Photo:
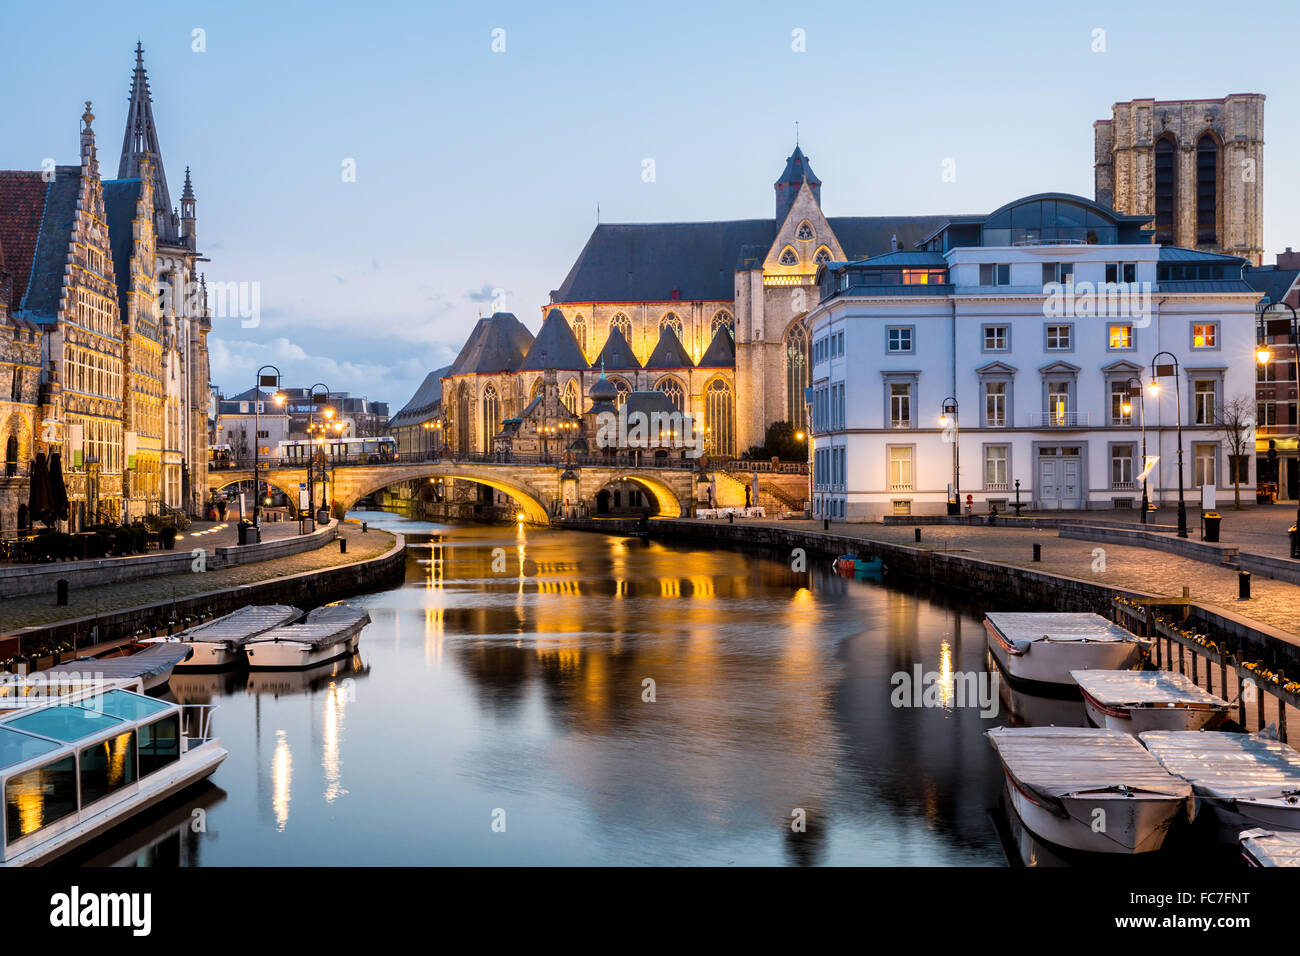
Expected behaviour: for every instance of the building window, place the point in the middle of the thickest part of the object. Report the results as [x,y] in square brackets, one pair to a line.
[1058,403]
[580,331]
[1120,337]
[624,390]
[1166,188]
[899,338]
[805,231]
[796,375]
[671,320]
[995,273]
[1062,272]
[1059,338]
[1204,458]
[900,468]
[621,322]
[1266,413]
[900,405]
[995,404]
[1207,190]
[491,416]
[673,389]
[1121,467]
[996,338]
[1203,398]
[570,397]
[995,467]
[1205,335]
[1121,272]
[719,418]
[823,256]
[788,257]
[1119,397]
[721,319]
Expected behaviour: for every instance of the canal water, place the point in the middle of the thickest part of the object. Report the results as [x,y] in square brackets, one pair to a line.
[554,697]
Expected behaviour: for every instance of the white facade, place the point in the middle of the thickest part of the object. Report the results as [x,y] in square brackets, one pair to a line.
[1035,378]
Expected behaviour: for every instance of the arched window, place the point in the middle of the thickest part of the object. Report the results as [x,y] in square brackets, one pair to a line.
[580,331]
[11,456]
[491,416]
[673,389]
[1207,191]
[461,423]
[570,396]
[672,321]
[623,324]
[624,390]
[788,257]
[805,231]
[536,389]
[720,318]
[796,375]
[1166,188]
[823,255]
[719,418]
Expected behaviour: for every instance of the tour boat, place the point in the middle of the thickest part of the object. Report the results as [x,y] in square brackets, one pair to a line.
[1089,789]
[1263,847]
[1137,701]
[151,663]
[1242,780]
[79,758]
[859,564]
[220,643]
[327,633]
[1045,648]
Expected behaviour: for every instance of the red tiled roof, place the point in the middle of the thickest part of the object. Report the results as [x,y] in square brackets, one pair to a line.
[22,204]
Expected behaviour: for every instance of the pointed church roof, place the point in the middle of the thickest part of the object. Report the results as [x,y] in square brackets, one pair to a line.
[120,199]
[555,346]
[616,354]
[497,344]
[669,352]
[140,142]
[721,352]
[796,168]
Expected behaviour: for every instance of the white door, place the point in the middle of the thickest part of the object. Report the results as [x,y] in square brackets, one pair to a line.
[1049,484]
[1071,489]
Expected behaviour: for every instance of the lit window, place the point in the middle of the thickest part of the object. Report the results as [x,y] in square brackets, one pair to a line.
[1121,336]
[1204,336]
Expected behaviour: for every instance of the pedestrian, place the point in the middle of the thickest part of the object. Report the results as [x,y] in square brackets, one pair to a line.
[221,508]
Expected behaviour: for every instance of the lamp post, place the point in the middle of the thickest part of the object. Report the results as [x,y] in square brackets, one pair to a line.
[278,398]
[1135,391]
[1164,371]
[1263,356]
[327,413]
[949,419]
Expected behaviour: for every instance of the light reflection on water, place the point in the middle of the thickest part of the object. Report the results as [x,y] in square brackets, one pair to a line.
[521,685]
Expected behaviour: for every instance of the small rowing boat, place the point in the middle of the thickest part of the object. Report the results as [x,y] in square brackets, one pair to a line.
[1045,648]
[1093,790]
[327,633]
[1137,701]
[220,643]
[859,564]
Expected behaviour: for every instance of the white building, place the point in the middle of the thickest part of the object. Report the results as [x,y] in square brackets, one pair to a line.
[1024,331]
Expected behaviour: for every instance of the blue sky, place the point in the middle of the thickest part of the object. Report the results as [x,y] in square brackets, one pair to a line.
[479,170]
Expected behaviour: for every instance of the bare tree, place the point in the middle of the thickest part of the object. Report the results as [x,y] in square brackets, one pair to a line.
[1235,420]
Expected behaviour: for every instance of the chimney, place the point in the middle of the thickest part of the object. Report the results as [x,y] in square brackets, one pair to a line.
[893,243]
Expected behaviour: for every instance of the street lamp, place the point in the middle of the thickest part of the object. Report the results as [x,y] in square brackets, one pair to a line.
[949,419]
[1164,371]
[327,413]
[271,381]
[1263,355]
[1135,391]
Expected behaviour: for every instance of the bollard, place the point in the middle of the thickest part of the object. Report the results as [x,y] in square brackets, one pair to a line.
[1243,585]
[918,535]
[363,527]
[62,585]
[1038,552]
[826,524]
[731,517]
[343,545]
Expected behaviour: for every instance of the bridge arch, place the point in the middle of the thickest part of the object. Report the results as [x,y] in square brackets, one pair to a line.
[290,491]
[529,499]
[666,501]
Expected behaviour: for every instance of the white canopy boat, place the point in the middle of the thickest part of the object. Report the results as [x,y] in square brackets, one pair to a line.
[152,664]
[220,643]
[1086,789]
[78,759]
[1244,780]
[1044,648]
[1263,847]
[328,632]
[1137,701]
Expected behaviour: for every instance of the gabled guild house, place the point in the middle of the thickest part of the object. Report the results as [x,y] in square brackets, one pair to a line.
[1009,348]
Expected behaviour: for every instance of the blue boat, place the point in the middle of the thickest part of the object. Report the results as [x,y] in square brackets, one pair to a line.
[859,564]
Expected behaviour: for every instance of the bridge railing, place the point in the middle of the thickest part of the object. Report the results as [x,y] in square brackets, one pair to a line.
[634,461]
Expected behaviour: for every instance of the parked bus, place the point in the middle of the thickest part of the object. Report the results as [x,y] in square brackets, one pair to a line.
[337,451]
[220,456]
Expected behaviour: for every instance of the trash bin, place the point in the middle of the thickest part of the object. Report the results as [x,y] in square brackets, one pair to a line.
[243,527]
[954,507]
[1295,545]
[1211,519]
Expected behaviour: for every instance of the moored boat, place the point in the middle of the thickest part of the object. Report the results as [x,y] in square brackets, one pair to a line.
[1243,780]
[1137,701]
[151,663]
[1044,648]
[1089,789]
[1263,847]
[220,643]
[327,633]
[859,564]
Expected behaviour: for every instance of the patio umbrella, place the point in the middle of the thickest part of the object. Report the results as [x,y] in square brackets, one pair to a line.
[58,490]
[38,494]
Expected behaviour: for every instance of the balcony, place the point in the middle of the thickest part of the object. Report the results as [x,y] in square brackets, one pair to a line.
[1059,420]
[1123,486]
[900,486]
[997,486]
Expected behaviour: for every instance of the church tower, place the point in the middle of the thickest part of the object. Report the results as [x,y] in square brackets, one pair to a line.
[796,172]
[140,143]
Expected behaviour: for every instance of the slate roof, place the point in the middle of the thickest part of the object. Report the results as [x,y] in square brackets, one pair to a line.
[1275,283]
[50,260]
[646,262]
[1179,254]
[721,352]
[1205,285]
[647,402]
[22,204]
[425,401]
[796,167]
[669,351]
[555,346]
[120,198]
[902,259]
[616,353]
[497,344]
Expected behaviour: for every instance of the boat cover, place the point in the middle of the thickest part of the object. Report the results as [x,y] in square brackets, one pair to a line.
[1023,628]
[1055,762]
[1268,848]
[1227,766]
[238,626]
[153,660]
[323,626]
[1144,688]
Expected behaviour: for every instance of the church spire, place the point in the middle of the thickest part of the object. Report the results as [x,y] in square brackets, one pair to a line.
[797,172]
[140,143]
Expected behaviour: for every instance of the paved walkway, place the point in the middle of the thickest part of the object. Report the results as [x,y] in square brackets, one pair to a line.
[31,611]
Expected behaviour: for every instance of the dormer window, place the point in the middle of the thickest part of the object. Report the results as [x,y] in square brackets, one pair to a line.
[805,231]
[788,257]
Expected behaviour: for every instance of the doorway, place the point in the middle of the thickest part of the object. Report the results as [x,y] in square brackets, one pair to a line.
[1060,472]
